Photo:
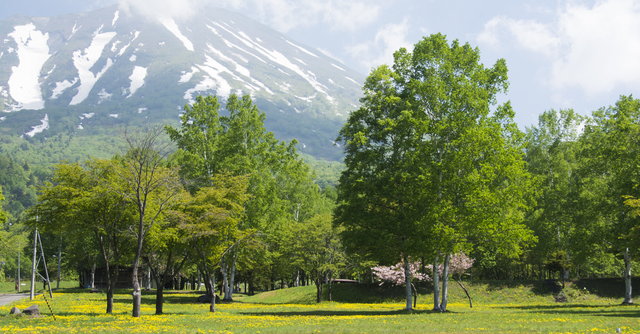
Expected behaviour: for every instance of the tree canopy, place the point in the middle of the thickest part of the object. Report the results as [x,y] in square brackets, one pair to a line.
[428,161]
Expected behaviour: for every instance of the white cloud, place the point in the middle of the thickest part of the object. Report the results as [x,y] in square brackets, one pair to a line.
[388,40]
[529,34]
[180,10]
[285,15]
[595,48]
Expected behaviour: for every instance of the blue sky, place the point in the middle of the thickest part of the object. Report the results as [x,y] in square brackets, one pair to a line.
[560,54]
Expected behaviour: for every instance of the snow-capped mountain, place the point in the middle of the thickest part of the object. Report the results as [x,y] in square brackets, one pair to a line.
[108,65]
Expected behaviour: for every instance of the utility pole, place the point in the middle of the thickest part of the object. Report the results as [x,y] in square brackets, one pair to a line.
[33,264]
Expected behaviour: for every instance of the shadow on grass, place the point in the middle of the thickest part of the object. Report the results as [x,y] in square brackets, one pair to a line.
[582,309]
[330,313]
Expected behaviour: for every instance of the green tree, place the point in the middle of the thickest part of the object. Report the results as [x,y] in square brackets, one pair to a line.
[198,140]
[19,187]
[213,217]
[81,205]
[238,144]
[317,250]
[430,167]
[551,155]
[168,248]
[610,150]
[146,182]
[3,215]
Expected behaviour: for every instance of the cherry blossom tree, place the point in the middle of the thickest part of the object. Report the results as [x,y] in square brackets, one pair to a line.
[395,275]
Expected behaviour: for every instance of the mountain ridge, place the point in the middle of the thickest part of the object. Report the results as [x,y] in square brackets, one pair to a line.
[132,69]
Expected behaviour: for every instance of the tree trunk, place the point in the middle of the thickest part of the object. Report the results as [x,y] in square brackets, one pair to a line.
[159,297]
[436,284]
[137,294]
[111,286]
[212,307]
[415,295]
[318,282]
[330,285]
[232,277]
[93,276]
[225,281]
[445,283]
[627,278]
[407,281]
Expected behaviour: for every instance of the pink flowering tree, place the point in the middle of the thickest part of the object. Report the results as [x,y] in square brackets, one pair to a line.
[458,264]
[395,275]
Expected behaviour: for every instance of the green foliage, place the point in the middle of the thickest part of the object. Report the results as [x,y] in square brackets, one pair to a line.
[427,161]
[609,172]
[18,186]
[3,215]
[551,154]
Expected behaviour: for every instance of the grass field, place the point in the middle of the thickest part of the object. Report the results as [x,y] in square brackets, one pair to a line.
[499,307]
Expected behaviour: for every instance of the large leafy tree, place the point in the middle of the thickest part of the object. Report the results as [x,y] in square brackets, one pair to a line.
[213,215]
[198,140]
[94,220]
[430,166]
[238,144]
[551,154]
[150,185]
[168,248]
[610,176]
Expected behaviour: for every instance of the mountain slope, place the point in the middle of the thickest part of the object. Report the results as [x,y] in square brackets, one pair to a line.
[82,73]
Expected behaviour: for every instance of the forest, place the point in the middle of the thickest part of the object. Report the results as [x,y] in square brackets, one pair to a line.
[434,170]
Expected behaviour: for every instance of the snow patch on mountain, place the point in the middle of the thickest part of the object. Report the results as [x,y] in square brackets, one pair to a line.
[338,67]
[115,18]
[284,87]
[61,87]
[133,58]
[206,84]
[276,57]
[74,29]
[229,44]
[137,79]
[124,49]
[84,60]
[103,95]
[355,82]
[114,46]
[33,52]
[39,128]
[171,25]
[307,99]
[113,115]
[186,76]
[302,49]
[88,115]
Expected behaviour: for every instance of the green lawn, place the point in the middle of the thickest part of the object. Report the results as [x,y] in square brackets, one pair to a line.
[499,307]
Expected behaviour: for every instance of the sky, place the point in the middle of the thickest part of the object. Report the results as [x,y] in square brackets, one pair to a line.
[580,54]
